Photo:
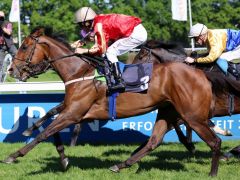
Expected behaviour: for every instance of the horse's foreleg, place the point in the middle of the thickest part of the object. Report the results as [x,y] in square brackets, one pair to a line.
[61,122]
[159,130]
[50,113]
[188,133]
[75,134]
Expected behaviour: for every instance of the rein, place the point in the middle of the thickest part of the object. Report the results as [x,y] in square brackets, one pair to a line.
[35,69]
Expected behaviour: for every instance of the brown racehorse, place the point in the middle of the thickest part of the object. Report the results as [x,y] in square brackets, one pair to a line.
[86,100]
[226,93]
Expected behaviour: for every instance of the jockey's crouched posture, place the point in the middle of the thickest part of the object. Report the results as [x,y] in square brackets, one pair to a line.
[223,46]
[124,32]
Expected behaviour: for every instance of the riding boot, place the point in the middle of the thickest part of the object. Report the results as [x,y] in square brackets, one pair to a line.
[119,84]
[108,76]
[234,72]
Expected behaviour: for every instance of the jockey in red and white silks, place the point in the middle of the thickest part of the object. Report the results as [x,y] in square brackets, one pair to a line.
[126,33]
[114,35]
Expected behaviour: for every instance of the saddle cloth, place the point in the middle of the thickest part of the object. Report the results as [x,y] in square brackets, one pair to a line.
[136,76]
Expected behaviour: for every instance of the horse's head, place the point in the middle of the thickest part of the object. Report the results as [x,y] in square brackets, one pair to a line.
[30,59]
[156,51]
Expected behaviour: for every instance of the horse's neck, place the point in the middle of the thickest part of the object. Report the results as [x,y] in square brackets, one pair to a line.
[170,56]
[71,67]
[211,67]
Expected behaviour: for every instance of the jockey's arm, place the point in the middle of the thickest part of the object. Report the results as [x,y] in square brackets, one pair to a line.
[100,39]
[77,44]
[217,46]
[100,43]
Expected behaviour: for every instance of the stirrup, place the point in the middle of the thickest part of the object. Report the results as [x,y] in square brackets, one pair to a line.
[118,87]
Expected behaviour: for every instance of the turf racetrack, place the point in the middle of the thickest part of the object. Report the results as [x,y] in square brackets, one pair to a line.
[169,161]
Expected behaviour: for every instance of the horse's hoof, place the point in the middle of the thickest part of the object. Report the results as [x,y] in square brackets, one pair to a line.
[27,133]
[9,160]
[223,158]
[65,163]
[72,144]
[214,174]
[226,156]
[227,133]
[193,151]
[115,169]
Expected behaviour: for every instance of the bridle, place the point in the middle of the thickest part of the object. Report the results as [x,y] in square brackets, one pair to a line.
[34,69]
[31,69]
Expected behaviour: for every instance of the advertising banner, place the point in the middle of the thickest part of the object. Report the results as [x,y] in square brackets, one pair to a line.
[18,112]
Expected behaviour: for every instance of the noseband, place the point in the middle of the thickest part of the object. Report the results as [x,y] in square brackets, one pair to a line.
[32,69]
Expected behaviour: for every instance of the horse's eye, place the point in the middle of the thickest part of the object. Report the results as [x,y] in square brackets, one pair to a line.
[24,48]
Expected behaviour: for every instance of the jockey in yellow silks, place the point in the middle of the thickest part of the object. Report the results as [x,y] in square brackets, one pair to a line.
[223,46]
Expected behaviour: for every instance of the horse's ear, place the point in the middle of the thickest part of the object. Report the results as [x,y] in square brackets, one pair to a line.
[38,32]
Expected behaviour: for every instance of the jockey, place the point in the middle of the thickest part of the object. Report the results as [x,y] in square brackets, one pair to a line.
[223,46]
[124,32]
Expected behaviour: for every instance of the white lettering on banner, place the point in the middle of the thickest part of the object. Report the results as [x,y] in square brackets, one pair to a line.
[147,126]
[31,117]
[225,124]
[94,126]
[155,111]
[15,123]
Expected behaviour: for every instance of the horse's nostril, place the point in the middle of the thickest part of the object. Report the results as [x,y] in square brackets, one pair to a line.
[10,70]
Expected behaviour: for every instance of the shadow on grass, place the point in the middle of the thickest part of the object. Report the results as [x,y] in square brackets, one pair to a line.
[88,163]
[163,162]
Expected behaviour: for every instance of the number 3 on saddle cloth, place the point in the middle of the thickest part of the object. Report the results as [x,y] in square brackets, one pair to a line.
[136,78]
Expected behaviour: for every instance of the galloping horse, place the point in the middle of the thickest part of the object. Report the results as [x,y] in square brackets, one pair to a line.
[86,100]
[226,94]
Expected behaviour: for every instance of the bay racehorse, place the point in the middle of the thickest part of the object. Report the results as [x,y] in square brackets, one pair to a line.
[85,100]
[225,101]
[153,51]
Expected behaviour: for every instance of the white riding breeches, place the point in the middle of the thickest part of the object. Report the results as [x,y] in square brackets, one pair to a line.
[231,55]
[122,46]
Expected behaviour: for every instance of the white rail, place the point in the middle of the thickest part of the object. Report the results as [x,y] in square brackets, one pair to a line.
[32,86]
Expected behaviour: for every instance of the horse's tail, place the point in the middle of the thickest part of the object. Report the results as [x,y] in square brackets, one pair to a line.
[223,84]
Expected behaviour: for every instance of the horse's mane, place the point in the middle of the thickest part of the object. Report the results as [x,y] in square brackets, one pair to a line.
[175,47]
[48,31]
[223,84]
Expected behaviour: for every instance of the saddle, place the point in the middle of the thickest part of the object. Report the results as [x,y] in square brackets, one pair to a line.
[135,76]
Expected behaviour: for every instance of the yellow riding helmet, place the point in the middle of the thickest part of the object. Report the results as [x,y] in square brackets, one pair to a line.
[197,30]
[84,14]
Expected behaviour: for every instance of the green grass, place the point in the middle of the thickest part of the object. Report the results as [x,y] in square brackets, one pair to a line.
[47,76]
[169,161]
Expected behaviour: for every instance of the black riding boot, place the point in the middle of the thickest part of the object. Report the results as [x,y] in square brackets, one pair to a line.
[119,84]
[108,76]
[234,72]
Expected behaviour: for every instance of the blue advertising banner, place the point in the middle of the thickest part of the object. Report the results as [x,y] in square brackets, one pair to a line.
[20,111]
